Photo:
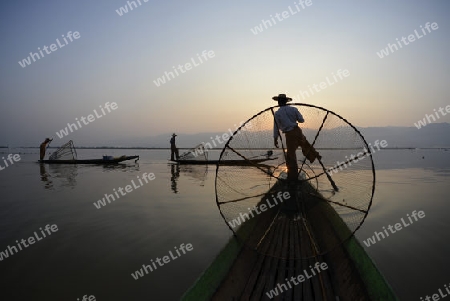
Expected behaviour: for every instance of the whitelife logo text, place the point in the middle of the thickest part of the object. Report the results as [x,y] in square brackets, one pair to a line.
[49,49]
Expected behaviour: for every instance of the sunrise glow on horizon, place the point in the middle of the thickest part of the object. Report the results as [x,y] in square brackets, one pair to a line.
[192,67]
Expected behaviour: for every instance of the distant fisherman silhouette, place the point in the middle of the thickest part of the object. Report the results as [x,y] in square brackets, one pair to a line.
[43,147]
[173,148]
[286,120]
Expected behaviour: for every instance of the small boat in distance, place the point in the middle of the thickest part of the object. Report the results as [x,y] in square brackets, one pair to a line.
[199,156]
[225,162]
[67,154]
[105,160]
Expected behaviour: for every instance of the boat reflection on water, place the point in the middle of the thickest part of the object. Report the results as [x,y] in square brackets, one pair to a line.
[67,174]
[196,172]
[48,184]
[174,175]
[64,175]
[121,167]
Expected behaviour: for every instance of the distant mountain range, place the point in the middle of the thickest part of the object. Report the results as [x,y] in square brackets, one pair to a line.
[434,135]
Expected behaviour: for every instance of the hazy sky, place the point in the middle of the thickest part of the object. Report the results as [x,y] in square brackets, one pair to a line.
[118,58]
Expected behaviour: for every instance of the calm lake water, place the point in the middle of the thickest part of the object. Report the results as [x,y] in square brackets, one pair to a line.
[94,251]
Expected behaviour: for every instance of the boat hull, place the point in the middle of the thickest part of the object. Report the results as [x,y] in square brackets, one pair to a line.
[90,161]
[223,162]
[241,273]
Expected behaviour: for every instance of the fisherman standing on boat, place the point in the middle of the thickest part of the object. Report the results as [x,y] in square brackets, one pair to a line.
[43,147]
[286,120]
[173,148]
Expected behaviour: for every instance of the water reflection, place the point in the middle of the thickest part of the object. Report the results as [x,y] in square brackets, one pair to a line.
[48,183]
[175,174]
[66,173]
[196,172]
[121,167]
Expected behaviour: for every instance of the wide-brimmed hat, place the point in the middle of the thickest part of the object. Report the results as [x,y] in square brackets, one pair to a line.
[281,97]
[173,135]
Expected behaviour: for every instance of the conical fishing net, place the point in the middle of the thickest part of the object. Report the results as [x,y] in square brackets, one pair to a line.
[65,152]
[198,153]
[323,208]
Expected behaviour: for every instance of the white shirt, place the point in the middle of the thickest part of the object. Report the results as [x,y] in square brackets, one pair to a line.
[286,118]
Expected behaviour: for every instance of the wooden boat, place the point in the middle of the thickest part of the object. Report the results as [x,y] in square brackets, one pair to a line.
[271,247]
[241,273]
[224,162]
[114,160]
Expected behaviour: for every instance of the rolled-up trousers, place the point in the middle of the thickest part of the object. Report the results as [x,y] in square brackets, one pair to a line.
[294,139]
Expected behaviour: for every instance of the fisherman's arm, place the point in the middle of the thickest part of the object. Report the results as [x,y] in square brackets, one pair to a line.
[276,134]
[299,116]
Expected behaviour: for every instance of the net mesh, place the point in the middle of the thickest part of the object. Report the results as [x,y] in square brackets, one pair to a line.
[256,200]
[65,152]
[198,153]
